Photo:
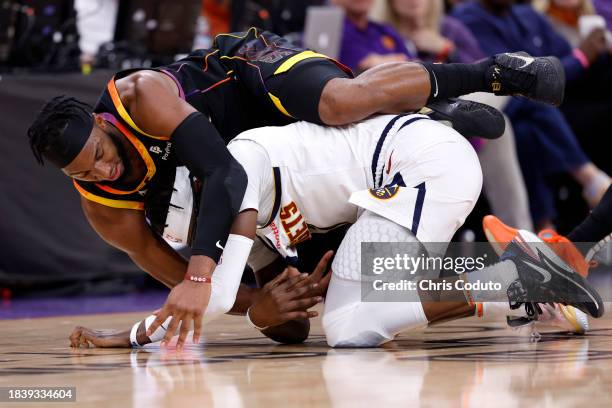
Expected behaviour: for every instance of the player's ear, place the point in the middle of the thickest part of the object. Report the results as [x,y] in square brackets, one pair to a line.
[99,121]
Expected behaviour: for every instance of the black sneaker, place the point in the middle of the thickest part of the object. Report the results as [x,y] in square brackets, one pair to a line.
[471,119]
[538,78]
[544,278]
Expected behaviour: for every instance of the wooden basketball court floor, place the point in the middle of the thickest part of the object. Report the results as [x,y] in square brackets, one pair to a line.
[460,364]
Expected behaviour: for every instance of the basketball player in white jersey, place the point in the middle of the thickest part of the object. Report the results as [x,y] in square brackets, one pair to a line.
[399,178]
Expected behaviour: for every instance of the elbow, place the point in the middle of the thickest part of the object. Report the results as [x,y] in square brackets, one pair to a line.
[235,184]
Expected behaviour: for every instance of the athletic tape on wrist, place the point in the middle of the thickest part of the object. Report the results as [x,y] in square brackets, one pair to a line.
[160,332]
[133,332]
[248,319]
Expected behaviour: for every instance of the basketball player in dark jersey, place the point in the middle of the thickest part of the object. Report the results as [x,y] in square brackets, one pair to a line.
[122,154]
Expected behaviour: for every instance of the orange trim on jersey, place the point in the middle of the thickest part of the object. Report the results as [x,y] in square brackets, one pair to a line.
[216,84]
[142,151]
[112,89]
[130,205]
[263,39]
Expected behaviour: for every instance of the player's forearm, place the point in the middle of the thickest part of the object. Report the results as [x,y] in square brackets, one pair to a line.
[244,299]
[160,261]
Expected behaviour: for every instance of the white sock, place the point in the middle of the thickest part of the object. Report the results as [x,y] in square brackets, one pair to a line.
[503,272]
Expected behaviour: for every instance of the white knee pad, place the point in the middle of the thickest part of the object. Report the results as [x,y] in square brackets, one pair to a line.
[369,227]
[349,322]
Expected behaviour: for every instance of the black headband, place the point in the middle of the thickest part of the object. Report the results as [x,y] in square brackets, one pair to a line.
[71,141]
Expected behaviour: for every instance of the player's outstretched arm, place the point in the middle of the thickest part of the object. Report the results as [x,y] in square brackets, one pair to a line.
[285,298]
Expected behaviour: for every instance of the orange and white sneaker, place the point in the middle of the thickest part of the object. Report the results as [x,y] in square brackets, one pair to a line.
[566,250]
[499,235]
[569,318]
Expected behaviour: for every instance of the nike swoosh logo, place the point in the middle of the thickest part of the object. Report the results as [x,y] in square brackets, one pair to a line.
[218,245]
[526,60]
[436,83]
[547,276]
[564,276]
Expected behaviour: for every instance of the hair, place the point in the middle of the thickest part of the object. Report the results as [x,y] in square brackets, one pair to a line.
[383,11]
[51,122]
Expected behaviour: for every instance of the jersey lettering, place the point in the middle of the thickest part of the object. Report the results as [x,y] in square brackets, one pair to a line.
[293,223]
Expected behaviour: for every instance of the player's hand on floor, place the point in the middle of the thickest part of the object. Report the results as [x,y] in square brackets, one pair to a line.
[84,337]
[283,299]
[186,304]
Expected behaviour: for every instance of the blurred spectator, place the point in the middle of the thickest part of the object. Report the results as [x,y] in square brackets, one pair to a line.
[217,13]
[282,17]
[501,26]
[587,103]
[365,43]
[565,15]
[428,33]
[440,38]
[545,142]
[96,24]
[604,9]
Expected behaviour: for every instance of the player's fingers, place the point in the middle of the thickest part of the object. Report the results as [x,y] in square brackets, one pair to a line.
[324,283]
[159,320]
[292,271]
[176,319]
[303,304]
[298,314]
[302,288]
[184,331]
[75,336]
[84,342]
[278,279]
[322,266]
[197,328]
[290,282]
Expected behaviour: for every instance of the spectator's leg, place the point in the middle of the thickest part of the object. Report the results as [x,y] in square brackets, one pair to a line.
[503,181]
[530,154]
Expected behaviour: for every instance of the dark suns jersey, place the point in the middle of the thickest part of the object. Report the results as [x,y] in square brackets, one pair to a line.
[246,80]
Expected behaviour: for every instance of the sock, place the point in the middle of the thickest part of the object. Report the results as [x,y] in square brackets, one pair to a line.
[503,272]
[453,80]
[496,311]
[598,224]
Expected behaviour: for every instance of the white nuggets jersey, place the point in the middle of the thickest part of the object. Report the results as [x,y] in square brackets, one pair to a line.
[301,176]
[319,166]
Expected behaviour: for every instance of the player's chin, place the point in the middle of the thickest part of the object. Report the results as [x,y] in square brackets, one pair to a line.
[291,332]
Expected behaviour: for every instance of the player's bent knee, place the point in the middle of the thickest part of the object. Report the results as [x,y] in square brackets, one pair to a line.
[291,332]
[339,337]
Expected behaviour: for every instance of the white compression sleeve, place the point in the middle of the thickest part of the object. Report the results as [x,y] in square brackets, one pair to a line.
[227,275]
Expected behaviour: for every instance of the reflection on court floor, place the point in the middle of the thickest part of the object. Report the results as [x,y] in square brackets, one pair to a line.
[463,364]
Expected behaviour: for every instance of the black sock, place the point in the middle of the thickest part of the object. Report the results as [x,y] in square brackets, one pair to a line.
[598,224]
[453,80]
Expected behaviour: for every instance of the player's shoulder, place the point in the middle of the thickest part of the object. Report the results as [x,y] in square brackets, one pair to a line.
[108,196]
